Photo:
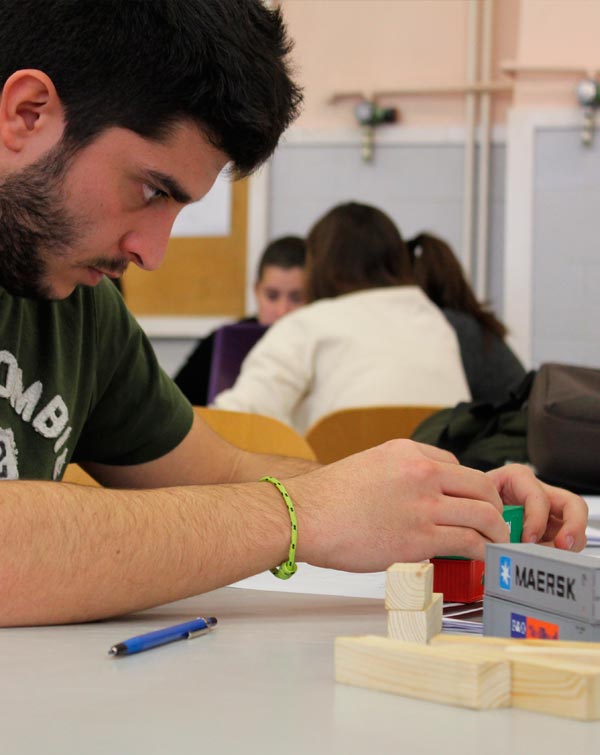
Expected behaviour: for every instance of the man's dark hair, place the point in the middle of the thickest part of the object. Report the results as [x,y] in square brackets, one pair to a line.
[145,64]
[285,252]
[354,247]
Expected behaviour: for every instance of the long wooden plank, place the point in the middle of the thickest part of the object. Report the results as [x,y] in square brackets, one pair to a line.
[565,655]
[487,641]
[438,674]
[557,678]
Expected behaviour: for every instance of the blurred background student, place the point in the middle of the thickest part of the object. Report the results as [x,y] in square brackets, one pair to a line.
[491,367]
[279,289]
[370,336]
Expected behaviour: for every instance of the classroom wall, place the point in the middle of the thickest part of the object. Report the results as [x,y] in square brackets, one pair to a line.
[376,45]
[552,34]
[380,45]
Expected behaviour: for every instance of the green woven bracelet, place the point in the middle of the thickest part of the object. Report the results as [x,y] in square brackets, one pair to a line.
[288,568]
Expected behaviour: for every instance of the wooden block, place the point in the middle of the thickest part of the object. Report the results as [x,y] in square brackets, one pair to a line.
[417,626]
[548,676]
[409,587]
[566,655]
[439,674]
[560,688]
[473,640]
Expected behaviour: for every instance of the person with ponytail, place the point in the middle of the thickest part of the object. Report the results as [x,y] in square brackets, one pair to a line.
[491,367]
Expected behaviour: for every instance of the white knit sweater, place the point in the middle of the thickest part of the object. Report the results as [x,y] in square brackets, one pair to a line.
[377,347]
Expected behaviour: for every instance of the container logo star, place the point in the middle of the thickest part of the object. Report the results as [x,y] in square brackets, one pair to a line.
[505,573]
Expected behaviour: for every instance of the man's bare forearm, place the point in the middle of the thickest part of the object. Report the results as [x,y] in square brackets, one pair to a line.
[252,467]
[70,553]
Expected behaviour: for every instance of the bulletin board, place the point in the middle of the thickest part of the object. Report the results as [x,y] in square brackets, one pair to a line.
[201,275]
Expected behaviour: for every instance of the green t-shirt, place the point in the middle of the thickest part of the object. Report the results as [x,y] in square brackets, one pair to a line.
[79,381]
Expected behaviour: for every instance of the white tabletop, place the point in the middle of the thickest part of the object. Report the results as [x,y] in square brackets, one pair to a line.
[262,682]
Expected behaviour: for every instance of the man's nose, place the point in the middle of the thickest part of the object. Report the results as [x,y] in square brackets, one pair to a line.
[146,245]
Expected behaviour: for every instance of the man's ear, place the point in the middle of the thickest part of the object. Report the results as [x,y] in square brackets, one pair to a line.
[31,113]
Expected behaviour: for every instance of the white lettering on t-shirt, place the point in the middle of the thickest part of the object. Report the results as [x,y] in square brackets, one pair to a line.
[50,422]
[7,379]
[25,402]
[59,464]
[52,419]
[8,455]
[62,440]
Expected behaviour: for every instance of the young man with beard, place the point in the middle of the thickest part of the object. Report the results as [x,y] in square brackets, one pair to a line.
[113,116]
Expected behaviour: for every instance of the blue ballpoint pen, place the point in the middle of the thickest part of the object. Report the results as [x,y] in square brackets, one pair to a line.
[184,631]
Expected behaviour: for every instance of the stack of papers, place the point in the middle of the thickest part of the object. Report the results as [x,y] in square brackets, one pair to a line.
[318,581]
[463,618]
[593,537]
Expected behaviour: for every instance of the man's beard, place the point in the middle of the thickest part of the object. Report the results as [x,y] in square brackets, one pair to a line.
[35,224]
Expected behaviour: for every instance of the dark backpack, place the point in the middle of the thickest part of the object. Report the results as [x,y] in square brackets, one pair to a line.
[480,434]
[564,426]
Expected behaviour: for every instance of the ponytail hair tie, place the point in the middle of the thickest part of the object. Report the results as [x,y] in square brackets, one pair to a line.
[415,247]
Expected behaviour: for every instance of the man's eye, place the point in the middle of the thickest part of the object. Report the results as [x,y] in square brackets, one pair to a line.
[151,193]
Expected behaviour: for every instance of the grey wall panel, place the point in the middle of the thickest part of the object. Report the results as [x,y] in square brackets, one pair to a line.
[173,352]
[408,182]
[566,249]
[419,185]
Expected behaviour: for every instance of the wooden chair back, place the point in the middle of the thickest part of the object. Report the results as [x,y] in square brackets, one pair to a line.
[348,431]
[257,433]
[74,473]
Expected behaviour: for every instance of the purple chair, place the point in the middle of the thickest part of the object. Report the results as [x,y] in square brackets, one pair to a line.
[231,344]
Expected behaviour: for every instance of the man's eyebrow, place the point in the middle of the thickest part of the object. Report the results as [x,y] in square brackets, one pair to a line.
[170,185]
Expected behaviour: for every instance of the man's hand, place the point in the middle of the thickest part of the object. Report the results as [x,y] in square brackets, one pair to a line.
[406,501]
[553,516]
[401,501]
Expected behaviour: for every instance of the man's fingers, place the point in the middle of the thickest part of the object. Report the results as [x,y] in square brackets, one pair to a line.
[463,482]
[460,541]
[478,516]
[572,510]
[518,485]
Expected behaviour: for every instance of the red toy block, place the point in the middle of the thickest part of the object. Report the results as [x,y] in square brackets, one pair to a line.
[460,580]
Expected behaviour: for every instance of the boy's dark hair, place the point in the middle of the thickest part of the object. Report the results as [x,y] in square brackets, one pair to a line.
[145,64]
[439,273]
[285,252]
[355,247]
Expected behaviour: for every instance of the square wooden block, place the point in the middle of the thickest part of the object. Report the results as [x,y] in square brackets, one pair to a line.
[409,587]
[417,626]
